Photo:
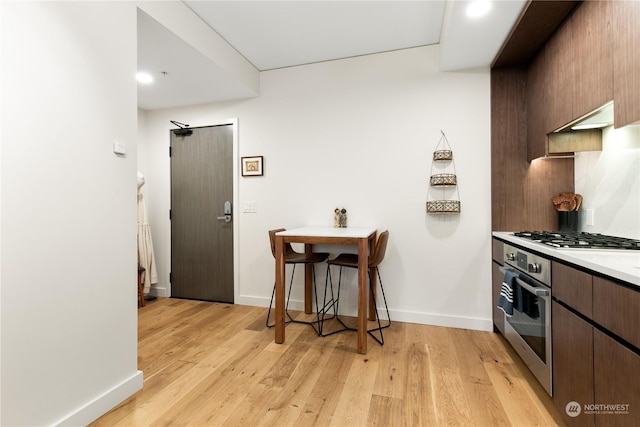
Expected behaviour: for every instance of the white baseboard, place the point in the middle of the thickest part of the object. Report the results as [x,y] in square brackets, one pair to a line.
[474,323]
[422,318]
[103,403]
[159,291]
[254,301]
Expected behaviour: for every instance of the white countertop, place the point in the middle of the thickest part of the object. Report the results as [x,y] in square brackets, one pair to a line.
[352,232]
[619,264]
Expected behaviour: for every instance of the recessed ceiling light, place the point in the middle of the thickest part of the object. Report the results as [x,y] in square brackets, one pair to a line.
[478,8]
[144,78]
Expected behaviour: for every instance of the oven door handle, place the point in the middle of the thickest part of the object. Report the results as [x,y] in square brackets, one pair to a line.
[541,292]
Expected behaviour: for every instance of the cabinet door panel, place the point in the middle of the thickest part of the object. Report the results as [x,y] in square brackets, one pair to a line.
[536,108]
[572,363]
[559,78]
[497,251]
[616,381]
[617,309]
[573,287]
[508,148]
[626,62]
[592,56]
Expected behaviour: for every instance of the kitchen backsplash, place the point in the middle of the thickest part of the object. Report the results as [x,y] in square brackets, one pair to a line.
[609,181]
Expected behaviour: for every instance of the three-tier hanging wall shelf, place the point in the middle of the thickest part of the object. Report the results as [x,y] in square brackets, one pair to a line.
[443,196]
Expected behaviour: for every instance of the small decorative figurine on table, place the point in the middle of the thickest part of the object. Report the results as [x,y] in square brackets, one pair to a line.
[340,218]
[343,218]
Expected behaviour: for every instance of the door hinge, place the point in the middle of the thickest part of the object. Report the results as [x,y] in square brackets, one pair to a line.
[170,277]
[169,214]
[169,151]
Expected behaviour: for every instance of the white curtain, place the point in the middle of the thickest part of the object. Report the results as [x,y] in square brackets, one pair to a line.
[146,258]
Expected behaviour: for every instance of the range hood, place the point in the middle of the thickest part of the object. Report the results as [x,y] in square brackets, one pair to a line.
[582,134]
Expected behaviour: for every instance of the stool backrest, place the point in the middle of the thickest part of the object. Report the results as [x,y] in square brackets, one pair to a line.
[380,249]
[288,249]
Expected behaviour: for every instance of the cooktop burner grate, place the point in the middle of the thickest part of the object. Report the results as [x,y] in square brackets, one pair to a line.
[579,240]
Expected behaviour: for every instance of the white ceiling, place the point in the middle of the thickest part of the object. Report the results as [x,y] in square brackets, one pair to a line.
[277,34]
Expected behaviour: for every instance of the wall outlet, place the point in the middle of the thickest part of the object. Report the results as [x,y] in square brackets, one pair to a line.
[249,207]
[589,217]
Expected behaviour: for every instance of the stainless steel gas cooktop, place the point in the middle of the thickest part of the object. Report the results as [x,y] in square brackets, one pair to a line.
[579,240]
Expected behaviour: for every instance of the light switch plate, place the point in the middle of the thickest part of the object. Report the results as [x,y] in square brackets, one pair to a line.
[249,206]
[119,147]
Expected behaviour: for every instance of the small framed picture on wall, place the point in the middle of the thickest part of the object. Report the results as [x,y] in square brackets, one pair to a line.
[252,166]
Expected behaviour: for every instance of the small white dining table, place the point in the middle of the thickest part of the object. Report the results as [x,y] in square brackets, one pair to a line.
[362,237]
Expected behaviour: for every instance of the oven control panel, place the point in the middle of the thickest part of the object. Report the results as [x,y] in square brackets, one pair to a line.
[533,265]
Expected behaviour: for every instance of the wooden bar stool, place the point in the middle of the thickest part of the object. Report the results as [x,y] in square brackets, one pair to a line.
[140,289]
[293,257]
[351,261]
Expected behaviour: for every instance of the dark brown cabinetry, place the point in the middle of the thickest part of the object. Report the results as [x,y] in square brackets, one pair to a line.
[536,109]
[562,60]
[573,287]
[626,62]
[616,382]
[496,280]
[617,309]
[559,78]
[596,360]
[579,65]
[591,51]
[572,363]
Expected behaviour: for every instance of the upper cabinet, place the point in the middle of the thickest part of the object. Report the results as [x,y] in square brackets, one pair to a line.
[559,78]
[626,62]
[590,60]
[536,97]
[591,50]
[579,64]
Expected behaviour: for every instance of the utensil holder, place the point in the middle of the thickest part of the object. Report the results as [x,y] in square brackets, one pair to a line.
[568,220]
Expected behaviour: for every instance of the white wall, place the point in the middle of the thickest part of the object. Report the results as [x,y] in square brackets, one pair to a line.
[356,133]
[609,181]
[68,243]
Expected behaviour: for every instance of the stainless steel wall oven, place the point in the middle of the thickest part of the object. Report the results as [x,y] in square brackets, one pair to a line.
[526,300]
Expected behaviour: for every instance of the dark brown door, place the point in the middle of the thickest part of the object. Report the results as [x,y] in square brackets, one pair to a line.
[201,227]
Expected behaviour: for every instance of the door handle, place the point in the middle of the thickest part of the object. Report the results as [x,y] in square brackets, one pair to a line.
[536,290]
[227,212]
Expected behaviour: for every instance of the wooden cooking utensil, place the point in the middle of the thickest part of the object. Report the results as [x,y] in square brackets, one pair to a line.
[578,201]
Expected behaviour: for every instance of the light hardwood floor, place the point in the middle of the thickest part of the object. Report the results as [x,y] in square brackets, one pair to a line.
[210,364]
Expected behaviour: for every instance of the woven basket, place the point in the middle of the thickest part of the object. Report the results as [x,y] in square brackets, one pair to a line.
[440,155]
[443,206]
[444,179]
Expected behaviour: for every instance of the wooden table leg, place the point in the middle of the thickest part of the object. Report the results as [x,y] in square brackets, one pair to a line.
[279,306]
[308,281]
[362,295]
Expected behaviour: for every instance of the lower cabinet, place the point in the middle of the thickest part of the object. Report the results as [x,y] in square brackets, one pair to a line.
[617,383]
[496,281]
[617,309]
[497,252]
[572,366]
[596,361]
